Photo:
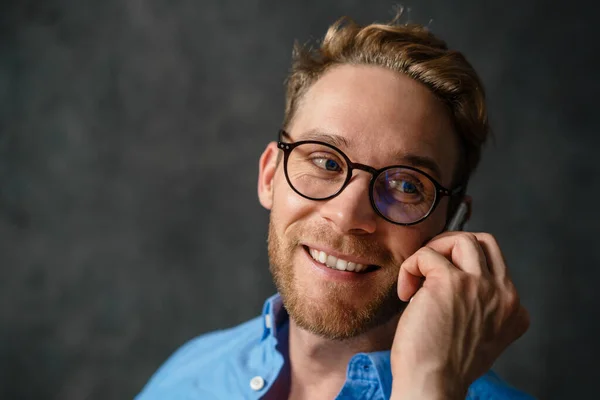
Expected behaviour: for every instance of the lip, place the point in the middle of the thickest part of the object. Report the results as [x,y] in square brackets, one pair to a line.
[337,254]
[335,274]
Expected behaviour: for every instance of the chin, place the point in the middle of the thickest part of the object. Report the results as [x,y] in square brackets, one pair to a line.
[330,303]
[337,312]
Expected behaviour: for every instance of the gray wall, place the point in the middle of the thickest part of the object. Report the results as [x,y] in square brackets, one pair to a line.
[130,132]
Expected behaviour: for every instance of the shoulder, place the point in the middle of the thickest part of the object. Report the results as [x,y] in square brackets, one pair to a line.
[204,358]
[491,386]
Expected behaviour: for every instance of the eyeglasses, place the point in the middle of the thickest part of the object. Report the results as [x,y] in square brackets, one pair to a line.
[400,194]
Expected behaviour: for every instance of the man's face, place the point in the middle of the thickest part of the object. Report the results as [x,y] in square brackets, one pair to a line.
[386,119]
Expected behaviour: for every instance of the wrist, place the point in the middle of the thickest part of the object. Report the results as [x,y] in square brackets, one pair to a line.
[427,386]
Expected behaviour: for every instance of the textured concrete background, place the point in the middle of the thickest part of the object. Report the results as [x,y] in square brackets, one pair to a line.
[130,133]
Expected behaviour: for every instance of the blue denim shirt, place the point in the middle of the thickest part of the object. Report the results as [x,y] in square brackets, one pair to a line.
[243,363]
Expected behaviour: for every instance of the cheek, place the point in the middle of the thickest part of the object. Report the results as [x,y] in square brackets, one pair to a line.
[435,223]
[403,241]
[288,206]
[437,220]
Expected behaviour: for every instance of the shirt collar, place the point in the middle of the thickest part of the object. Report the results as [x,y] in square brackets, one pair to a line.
[381,361]
[274,315]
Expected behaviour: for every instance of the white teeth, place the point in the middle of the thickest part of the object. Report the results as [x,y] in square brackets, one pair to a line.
[322,257]
[331,261]
[314,254]
[342,265]
[334,262]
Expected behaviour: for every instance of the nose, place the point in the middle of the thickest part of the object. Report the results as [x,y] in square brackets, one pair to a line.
[351,211]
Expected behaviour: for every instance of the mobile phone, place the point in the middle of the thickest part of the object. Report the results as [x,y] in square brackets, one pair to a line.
[459,218]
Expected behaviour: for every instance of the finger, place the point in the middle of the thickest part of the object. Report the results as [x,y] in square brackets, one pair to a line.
[493,254]
[424,263]
[464,250]
[408,284]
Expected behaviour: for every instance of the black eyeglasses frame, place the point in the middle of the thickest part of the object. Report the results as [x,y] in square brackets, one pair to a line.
[440,192]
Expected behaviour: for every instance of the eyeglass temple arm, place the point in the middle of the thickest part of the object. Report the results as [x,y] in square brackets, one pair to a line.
[457,190]
[453,192]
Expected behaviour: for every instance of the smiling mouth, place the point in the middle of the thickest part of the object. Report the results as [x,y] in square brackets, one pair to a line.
[338,264]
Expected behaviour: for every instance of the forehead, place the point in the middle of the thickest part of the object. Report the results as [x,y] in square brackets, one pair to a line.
[384,117]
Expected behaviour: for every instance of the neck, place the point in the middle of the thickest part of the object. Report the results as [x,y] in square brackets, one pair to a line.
[318,365]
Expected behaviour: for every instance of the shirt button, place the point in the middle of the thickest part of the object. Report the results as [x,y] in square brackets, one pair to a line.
[257,383]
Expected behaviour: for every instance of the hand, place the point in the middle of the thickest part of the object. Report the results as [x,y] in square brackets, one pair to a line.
[459,321]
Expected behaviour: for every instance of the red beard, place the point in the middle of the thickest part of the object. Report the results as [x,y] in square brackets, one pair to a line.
[343,310]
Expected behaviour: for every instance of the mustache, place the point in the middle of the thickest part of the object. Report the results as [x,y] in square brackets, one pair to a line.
[363,247]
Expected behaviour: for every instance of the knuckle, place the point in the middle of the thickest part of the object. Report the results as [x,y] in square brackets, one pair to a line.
[422,253]
[511,300]
[466,237]
[425,250]
[417,254]
[488,238]
[465,240]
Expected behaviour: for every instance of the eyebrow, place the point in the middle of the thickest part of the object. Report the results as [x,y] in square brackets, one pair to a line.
[413,160]
[336,140]
[422,162]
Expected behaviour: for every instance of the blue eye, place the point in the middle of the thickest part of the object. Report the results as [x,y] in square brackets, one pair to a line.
[331,165]
[407,187]
[327,163]
[404,186]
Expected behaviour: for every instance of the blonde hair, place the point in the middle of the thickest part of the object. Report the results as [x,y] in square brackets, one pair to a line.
[410,49]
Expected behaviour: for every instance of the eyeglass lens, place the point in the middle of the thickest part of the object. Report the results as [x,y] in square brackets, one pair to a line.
[400,194]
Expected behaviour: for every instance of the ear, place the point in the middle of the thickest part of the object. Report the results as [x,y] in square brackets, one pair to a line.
[267,166]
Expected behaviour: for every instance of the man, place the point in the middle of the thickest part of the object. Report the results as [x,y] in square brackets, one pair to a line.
[383,127]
